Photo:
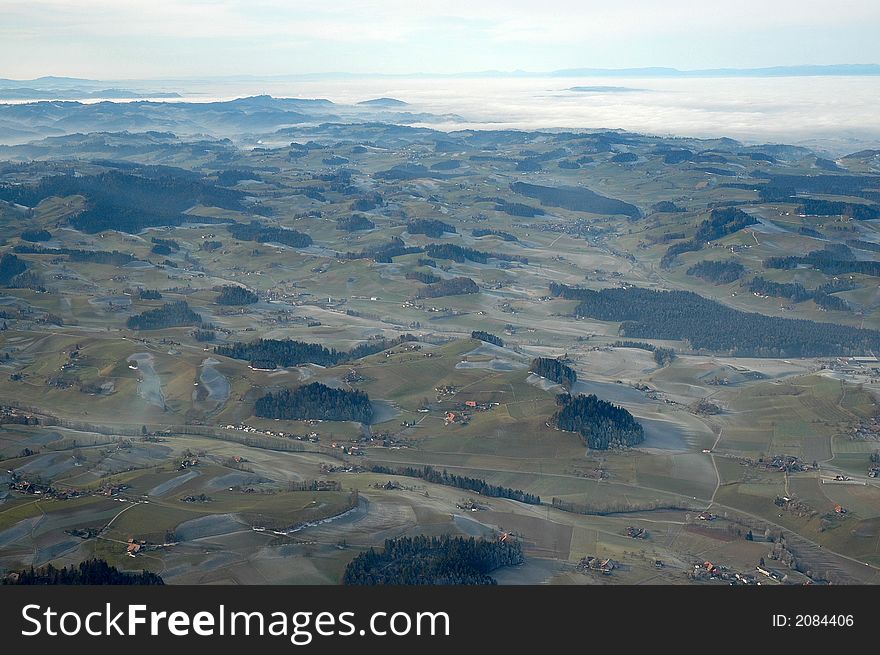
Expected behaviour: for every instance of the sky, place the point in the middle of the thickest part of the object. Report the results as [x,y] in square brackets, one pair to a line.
[160,39]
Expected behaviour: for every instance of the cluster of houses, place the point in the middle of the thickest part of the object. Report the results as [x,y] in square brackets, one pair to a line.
[405,348]
[445,390]
[868,366]
[590,564]
[391,485]
[200,498]
[134,546]
[353,377]
[707,571]
[315,485]
[312,437]
[793,505]
[17,417]
[188,462]
[111,490]
[355,446]
[773,574]
[409,304]
[22,485]
[785,463]
[341,468]
[348,448]
[866,430]
[477,406]
[461,418]
[636,533]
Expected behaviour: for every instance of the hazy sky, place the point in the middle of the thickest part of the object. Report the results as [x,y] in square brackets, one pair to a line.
[178,38]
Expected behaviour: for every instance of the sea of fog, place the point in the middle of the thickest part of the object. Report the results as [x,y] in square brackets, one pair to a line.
[838,114]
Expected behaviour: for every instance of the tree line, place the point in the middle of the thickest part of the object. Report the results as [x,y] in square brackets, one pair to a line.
[856,210]
[830,262]
[271,353]
[315,401]
[721,222]
[127,202]
[709,325]
[554,370]
[601,424]
[109,258]
[27,278]
[487,337]
[90,572]
[257,231]
[485,232]
[796,292]
[578,199]
[10,267]
[164,246]
[354,223]
[518,209]
[863,245]
[662,355]
[424,560]
[170,314]
[429,227]
[35,235]
[456,286]
[385,252]
[461,254]
[719,272]
[783,187]
[232,294]
[430,474]
[425,277]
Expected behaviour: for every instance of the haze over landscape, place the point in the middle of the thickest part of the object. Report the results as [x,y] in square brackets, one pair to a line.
[447,293]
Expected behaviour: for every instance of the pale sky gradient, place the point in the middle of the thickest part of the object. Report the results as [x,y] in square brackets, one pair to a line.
[127,39]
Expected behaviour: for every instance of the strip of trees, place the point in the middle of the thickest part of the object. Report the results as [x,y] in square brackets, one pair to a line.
[456,286]
[554,370]
[231,294]
[601,424]
[316,401]
[578,199]
[257,231]
[662,355]
[425,277]
[128,202]
[386,252]
[462,254]
[171,314]
[429,227]
[430,474]
[271,353]
[110,258]
[719,272]
[487,337]
[354,223]
[90,572]
[721,222]
[709,325]
[424,560]
[485,232]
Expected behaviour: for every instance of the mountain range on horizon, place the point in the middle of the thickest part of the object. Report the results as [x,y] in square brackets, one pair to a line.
[804,70]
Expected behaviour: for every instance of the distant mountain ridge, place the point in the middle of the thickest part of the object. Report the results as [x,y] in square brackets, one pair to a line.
[647,71]
[384,102]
